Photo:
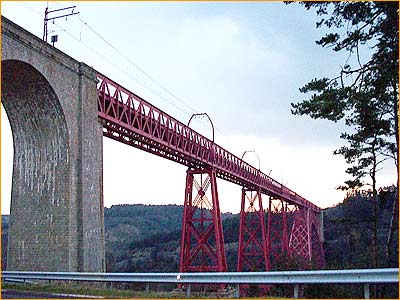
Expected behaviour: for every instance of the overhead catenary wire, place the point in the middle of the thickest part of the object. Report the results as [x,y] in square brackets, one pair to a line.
[156,88]
[192,110]
[141,82]
[99,54]
[134,64]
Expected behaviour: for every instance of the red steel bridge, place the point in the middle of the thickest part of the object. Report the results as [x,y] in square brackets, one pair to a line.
[292,230]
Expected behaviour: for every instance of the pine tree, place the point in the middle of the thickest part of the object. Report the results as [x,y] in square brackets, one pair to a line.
[364,93]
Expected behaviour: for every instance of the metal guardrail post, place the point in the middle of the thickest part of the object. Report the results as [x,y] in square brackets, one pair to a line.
[366,291]
[322,226]
[189,286]
[147,287]
[296,291]
[237,291]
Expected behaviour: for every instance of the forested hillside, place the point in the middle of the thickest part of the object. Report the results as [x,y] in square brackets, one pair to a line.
[347,231]
[127,224]
[4,240]
[146,238]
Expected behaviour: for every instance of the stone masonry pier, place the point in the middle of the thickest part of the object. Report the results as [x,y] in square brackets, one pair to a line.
[56,221]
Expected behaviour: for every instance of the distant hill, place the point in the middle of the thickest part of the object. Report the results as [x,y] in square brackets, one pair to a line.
[5,220]
[348,228]
[146,238]
[127,223]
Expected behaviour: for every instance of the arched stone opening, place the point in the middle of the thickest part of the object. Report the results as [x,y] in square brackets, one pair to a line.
[39,219]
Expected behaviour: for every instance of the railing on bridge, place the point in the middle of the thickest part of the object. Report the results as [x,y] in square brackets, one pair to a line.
[295,278]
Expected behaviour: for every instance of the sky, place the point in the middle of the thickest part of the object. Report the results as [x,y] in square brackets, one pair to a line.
[240,62]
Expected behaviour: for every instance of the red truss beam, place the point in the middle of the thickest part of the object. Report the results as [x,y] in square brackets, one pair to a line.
[277,232]
[306,239]
[252,249]
[202,243]
[299,238]
[131,120]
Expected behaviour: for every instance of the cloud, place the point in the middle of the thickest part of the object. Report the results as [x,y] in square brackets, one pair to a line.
[222,67]
[312,172]
[242,63]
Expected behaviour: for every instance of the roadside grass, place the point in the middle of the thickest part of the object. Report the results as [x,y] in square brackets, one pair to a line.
[87,290]
[100,290]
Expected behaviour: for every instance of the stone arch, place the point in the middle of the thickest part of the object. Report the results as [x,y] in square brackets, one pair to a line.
[38,222]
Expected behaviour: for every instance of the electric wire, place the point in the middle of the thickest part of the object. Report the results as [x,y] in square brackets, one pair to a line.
[136,66]
[126,72]
[133,63]
[141,82]
[192,110]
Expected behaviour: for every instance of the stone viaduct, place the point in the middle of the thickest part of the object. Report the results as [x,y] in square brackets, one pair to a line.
[57,219]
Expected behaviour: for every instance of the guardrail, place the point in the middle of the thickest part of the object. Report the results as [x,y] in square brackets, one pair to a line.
[296,278]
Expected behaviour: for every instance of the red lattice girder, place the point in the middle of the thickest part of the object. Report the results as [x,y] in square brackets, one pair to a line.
[202,243]
[252,249]
[277,232]
[299,239]
[305,239]
[129,119]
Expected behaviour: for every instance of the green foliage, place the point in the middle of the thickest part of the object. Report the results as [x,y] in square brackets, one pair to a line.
[146,238]
[327,102]
[126,225]
[347,240]
[364,94]
[5,222]
[348,243]
[346,227]
[90,289]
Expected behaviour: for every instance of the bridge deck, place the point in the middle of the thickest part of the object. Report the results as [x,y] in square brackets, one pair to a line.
[128,118]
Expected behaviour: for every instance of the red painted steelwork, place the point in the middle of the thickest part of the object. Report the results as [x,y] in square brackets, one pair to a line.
[277,232]
[305,239]
[252,252]
[298,243]
[202,243]
[131,120]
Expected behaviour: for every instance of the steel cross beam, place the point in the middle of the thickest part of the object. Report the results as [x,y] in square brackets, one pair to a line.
[252,248]
[306,239]
[128,118]
[202,242]
[277,232]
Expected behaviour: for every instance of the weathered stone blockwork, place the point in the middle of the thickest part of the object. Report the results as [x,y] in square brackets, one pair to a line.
[56,221]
